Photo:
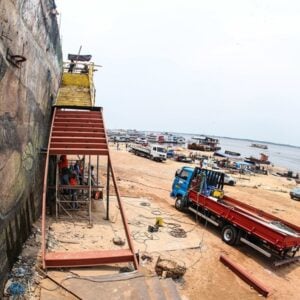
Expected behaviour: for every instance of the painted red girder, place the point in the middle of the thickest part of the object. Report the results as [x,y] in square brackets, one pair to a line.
[83,112]
[75,144]
[84,128]
[258,286]
[78,114]
[89,124]
[87,258]
[57,151]
[79,134]
[57,139]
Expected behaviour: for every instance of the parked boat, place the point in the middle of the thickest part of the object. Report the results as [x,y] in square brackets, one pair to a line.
[261,146]
[262,160]
[165,138]
[232,153]
[204,143]
[180,140]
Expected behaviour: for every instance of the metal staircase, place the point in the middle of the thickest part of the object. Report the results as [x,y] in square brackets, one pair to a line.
[81,131]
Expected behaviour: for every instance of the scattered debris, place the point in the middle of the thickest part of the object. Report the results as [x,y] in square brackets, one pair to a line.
[178,232]
[126,269]
[153,228]
[45,275]
[23,279]
[169,268]
[16,288]
[146,258]
[118,241]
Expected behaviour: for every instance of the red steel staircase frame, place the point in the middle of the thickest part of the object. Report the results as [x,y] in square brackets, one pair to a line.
[81,131]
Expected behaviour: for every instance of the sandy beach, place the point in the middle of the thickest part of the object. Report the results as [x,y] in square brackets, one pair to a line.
[206,277]
[145,187]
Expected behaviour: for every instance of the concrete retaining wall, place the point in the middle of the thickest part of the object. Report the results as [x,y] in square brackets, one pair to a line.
[28,30]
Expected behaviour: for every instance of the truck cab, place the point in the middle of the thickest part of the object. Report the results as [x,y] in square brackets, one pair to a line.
[182,182]
[158,153]
[205,181]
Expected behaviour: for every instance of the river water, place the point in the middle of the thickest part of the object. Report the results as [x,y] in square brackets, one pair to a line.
[280,155]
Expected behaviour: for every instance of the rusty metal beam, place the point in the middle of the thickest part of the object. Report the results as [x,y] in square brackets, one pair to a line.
[79,123]
[73,144]
[44,195]
[78,116]
[107,189]
[56,133]
[80,129]
[87,258]
[88,121]
[58,151]
[124,219]
[86,124]
[77,187]
[248,278]
[78,139]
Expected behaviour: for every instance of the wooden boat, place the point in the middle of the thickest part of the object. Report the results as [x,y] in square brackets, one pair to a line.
[261,146]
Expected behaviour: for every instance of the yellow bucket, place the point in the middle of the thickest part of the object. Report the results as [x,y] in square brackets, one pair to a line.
[159,221]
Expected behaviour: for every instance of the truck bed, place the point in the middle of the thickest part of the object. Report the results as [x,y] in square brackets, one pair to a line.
[280,234]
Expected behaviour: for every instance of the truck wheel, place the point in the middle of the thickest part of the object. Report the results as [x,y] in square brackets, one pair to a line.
[229,234]
[231,183]
[179,204]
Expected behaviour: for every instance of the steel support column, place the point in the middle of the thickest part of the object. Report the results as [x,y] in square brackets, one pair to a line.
[107,188]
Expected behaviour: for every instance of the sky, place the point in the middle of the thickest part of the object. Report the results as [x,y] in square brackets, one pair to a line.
[225,68]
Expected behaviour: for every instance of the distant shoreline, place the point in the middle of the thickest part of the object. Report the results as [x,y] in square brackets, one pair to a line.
[226,137]
[263,142]
[216,136]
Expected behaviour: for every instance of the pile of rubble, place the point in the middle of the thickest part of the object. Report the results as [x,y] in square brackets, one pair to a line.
[23,279]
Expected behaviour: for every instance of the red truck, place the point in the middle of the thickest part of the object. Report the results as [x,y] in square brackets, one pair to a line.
[201,191]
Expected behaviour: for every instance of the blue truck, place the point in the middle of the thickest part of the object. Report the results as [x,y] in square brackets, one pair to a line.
[201,191]
[185,178]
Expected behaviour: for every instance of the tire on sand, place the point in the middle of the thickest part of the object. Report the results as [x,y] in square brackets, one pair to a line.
[229,235]
[179,204]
